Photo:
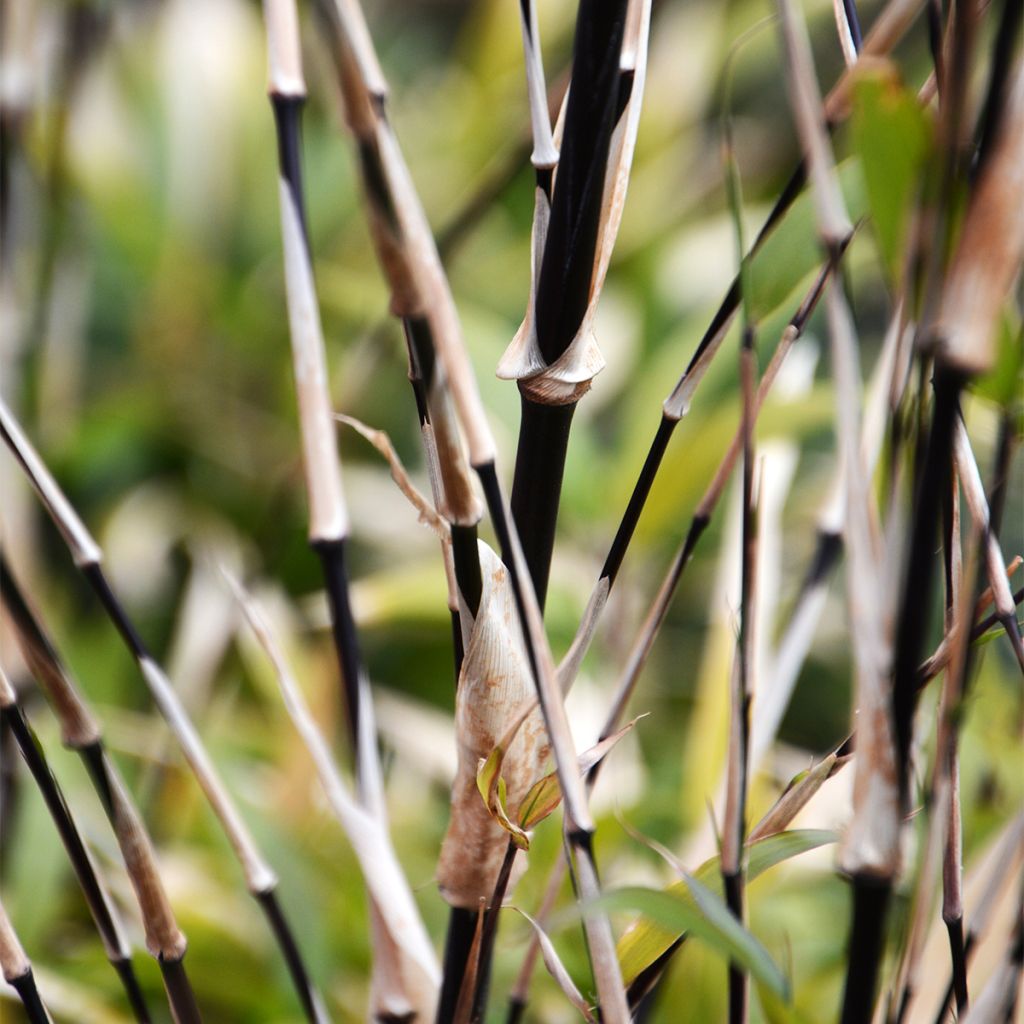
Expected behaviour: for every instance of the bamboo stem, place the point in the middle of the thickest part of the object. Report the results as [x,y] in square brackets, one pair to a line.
[259,876]
[100,908]
[80,732]
[17,972]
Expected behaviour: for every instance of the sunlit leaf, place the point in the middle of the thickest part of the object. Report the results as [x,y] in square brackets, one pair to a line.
[650,936]
[891,134]
[544,796]
[692,908]
[557,969]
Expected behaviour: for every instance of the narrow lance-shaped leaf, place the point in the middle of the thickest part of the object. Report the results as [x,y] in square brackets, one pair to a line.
[649,937]
[557,969]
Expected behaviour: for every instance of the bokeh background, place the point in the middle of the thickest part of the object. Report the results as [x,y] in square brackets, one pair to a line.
[144,345]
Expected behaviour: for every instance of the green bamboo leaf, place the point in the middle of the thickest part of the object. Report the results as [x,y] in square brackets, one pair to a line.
[692,908]
[649,937]
[891,134]
[793,250]
[544,796]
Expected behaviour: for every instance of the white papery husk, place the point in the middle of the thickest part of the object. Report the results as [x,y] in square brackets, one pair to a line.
[569,377]
[494,686]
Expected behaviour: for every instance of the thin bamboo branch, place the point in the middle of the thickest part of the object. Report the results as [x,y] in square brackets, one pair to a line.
[260,878]
[1009,849]
[888,29]
[870,852]
[17,972]
[80,732]
[644,641]
[391,897]
[993,560]
[734,824]
[101,909]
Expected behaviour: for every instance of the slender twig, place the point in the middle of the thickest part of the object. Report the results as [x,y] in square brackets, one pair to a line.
[734,826]
[887,30]
[1008,851]
[17,971]
[87,555]
[871,845]
[80,732]
[98,901]
[392,902]
[699,522]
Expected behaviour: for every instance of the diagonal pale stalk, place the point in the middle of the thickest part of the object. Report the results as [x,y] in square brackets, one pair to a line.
[101,909]
[391,897]
[554,356]
[977,503]
[17,972]
[1008,850]
[408,256]
[870,851]
[81,732]
[260,879]
[328,517]
[1000,999]
[886,32]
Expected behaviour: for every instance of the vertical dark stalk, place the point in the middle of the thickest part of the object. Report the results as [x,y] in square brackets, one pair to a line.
[865,948]
[578,828]
[736,804]
[489,933]
[566,272]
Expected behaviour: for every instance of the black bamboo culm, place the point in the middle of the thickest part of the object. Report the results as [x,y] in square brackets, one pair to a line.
[566,270]
[732,866]
[488,934]
[464,551]
[1006,37]
[182,999]
[871,896]
[28,993]
[422,367]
